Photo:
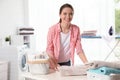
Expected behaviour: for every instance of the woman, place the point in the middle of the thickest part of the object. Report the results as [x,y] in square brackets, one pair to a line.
[63,38]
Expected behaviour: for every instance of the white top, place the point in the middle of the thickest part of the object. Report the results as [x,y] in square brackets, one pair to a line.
[64,55]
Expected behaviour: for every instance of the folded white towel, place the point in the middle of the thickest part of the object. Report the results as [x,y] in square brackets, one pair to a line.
[97,64]
[73,70]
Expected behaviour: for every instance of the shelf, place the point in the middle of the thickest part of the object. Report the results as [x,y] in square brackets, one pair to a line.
[91,37]
[98,37]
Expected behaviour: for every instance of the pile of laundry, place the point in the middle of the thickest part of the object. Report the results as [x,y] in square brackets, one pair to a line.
[73,70]
[98,67]
[103,67]
[102,70]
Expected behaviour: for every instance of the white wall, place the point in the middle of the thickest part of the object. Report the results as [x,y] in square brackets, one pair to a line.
[12,15]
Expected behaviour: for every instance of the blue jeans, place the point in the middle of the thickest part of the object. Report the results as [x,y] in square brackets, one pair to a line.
[65,63]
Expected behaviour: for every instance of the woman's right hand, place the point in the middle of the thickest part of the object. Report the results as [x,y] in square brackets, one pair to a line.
[53,63]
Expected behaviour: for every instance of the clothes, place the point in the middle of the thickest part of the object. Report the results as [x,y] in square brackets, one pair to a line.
[65,63]
[97,64]
[105,70]
[53,41]
[73,70]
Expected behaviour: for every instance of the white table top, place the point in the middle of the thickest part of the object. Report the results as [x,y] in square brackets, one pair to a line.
[53,76]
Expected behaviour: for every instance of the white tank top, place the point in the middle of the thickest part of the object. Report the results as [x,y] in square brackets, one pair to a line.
[64,55]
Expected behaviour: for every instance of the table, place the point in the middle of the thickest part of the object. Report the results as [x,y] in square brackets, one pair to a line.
[53,75]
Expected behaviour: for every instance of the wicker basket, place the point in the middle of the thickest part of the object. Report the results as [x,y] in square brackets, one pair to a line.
[40,64]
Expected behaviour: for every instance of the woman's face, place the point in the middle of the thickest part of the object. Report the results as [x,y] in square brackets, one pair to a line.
[66,15]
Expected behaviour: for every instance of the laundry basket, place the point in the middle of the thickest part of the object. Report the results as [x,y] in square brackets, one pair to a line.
[39,65]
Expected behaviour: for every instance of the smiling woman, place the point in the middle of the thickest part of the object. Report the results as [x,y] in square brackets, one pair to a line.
[63,38]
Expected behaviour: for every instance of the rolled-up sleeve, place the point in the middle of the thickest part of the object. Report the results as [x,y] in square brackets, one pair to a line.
[50,47]
[78,42]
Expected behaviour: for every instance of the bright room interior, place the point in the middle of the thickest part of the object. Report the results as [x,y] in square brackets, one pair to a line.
[38,15]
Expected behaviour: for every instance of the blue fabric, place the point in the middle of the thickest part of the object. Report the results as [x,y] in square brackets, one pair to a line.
[105,70]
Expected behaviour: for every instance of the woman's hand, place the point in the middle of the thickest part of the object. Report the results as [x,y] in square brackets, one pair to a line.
[83,57]
[53,63]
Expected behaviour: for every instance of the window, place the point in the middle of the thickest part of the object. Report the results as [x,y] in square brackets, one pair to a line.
[117,16]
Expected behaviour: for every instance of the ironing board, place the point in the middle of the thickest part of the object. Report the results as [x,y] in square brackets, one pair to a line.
[114,47]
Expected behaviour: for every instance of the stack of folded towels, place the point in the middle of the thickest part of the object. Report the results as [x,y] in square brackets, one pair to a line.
[73,70]
[97,67]
[26,31]
[89,33]
[105,68]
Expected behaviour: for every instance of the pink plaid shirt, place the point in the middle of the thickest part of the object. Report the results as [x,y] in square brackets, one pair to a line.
[53,41]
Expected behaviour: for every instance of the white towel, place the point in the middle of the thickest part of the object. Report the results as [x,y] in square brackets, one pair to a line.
[73,70]
[97,64]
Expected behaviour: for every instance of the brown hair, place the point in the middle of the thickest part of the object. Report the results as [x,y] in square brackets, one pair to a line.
[64,6]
